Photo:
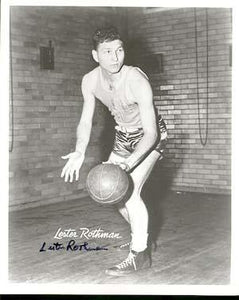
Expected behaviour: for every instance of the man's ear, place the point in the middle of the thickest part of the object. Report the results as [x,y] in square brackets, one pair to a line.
[95,55]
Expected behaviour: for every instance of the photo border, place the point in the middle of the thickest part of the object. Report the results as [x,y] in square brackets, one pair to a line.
[72,289]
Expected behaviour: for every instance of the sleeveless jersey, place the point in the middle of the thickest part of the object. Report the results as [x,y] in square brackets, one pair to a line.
[119,100]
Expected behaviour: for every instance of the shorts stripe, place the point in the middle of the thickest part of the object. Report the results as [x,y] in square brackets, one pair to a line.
[126,142]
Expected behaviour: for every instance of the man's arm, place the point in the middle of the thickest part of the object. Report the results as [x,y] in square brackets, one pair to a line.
[142,92]
[85,124]
[75,159]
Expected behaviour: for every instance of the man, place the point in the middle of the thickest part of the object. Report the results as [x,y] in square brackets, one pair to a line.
[126,91]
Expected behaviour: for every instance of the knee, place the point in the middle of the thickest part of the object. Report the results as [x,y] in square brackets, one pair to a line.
[133,201]
[136,184]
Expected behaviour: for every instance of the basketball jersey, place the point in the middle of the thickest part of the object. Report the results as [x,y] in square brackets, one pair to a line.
[119,100]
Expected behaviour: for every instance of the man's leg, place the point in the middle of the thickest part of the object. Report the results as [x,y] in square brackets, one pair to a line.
[139,175]
[115,159]
[136,213]
[136,208]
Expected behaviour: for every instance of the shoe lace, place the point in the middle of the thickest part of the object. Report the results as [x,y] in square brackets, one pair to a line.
[124,245]
[129,261]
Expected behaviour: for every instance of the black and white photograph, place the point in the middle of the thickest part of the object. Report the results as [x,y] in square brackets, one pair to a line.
[119,124]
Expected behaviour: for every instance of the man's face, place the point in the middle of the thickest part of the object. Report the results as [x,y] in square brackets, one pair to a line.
[110,56]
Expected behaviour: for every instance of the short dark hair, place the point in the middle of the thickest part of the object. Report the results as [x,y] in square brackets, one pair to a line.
[106,34]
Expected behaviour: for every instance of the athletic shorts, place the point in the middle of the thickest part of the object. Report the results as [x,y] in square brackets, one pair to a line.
[127,140]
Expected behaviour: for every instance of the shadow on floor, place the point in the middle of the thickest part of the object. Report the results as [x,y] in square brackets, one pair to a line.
[153,194]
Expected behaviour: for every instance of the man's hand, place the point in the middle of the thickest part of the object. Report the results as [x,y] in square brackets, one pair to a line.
[73,166]
[124,166]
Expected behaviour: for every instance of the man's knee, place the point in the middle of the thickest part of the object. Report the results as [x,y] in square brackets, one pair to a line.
[136,182]
[134,199]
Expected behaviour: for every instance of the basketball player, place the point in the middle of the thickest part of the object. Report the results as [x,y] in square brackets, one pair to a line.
[127,93]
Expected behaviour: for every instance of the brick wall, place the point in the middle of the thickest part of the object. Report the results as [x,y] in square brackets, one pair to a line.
[47,103]
[189,166]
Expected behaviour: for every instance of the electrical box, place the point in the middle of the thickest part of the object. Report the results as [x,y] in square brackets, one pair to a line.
[47,57]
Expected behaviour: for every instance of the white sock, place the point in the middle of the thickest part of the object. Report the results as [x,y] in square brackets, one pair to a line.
[139,242]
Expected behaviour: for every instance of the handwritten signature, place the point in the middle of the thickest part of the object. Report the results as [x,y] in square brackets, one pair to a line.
[71,246]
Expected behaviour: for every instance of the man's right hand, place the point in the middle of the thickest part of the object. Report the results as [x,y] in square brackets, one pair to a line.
[72,167]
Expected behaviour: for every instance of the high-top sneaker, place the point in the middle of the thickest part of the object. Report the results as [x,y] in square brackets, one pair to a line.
[135,261]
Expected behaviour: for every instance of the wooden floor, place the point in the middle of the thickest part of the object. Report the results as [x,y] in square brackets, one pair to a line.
[192,232]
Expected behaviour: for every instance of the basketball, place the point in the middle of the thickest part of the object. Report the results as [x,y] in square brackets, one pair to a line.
[107,183]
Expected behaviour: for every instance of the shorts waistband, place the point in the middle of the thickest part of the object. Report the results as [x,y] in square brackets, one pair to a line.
[127,130]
